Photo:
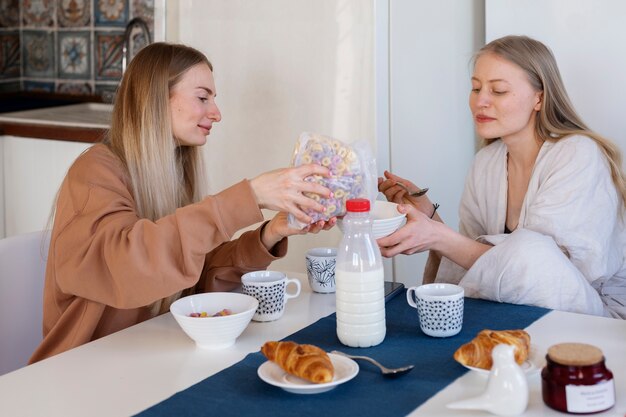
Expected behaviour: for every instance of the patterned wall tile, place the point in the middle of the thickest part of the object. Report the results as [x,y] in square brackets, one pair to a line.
[38,13]
[10,63]
[46,87]
[108,55]
[77,89]
[74,13]
[111,12]
[9,13]
[38,53]
[74,54]
[145,10]
[71,43]
[106,91]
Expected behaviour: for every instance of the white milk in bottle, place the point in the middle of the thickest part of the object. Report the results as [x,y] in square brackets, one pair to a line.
[359,280]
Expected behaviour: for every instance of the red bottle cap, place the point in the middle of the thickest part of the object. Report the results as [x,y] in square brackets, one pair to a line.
[358,205]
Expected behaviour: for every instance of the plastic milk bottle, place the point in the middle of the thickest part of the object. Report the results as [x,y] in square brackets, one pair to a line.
[360,280]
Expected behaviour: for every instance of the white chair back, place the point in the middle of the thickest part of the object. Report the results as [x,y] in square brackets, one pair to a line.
[22,275]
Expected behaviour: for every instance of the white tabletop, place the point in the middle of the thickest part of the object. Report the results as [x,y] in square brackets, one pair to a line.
[555,327]
[129,371]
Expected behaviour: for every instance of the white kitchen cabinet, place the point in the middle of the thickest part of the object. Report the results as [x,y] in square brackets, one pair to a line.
[33,170]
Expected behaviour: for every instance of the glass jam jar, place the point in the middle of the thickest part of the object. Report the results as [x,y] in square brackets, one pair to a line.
[576,381]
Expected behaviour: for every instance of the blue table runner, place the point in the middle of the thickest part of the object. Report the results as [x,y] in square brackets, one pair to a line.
[238,391]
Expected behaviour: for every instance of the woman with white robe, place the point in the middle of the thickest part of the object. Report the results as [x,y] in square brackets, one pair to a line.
[542,214]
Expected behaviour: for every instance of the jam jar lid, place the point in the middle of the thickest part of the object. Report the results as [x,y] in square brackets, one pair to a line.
[575,354]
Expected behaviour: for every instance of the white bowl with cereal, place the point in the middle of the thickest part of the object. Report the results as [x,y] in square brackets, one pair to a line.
[214,320]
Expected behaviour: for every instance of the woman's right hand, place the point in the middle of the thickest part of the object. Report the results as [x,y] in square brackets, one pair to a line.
[400,193]
[282,190]
[394,192]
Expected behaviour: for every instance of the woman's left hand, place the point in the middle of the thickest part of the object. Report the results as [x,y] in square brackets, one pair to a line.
[420,234]
[417,235]
[278,228]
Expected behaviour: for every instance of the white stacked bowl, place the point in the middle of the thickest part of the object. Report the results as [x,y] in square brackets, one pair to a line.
[385,219]
[214,332]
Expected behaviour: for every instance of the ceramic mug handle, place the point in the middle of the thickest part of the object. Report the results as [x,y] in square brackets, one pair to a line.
[410,296]
[294,295]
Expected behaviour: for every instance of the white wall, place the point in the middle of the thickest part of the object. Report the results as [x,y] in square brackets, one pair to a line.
[282,67]
[394,72]
[587,39]
[431,128]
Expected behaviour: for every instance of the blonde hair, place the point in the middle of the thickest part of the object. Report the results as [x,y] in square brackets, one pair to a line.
[163,175]
[557,118]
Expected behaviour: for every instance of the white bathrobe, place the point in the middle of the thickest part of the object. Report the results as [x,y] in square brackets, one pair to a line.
[568,250]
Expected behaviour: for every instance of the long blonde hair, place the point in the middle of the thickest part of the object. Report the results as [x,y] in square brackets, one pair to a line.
[557,118]
[163,175]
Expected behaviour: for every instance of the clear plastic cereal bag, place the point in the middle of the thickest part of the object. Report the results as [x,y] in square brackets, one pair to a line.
[352,167]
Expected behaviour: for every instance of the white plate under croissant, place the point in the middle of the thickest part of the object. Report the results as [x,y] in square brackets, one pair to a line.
[535,362]
[345,370]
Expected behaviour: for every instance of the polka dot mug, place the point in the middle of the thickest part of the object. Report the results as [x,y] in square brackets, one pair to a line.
[439,307]
[270,289]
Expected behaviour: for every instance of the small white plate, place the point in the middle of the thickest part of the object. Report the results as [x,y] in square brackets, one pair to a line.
[345,370]
[535,362]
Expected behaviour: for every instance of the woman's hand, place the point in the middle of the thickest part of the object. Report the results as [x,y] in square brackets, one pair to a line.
[400,193]
[282,190]
[417,235]
[420,234]
[389,185]
[278,228]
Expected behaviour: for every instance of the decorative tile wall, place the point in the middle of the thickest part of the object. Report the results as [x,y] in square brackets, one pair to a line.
[38,54]
[73,55]
[10,54]
[9,15]
[66,46]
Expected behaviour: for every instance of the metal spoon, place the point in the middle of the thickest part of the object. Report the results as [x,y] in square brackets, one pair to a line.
[418,193]
[386,371]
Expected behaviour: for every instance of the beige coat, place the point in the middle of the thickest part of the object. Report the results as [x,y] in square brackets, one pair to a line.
[106,265]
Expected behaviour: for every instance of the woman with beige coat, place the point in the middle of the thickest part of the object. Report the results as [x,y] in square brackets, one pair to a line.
[133,229]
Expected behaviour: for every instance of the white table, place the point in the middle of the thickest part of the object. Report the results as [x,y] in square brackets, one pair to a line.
[131,370]
[555,327]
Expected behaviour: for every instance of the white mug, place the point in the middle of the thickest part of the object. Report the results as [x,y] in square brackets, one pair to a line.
[270,289]
[439,306]
[320,269]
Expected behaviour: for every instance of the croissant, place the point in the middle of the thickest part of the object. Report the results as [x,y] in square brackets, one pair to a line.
[305,361]
[477,352]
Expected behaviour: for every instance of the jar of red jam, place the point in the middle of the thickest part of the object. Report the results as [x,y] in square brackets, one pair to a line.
[576,381]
